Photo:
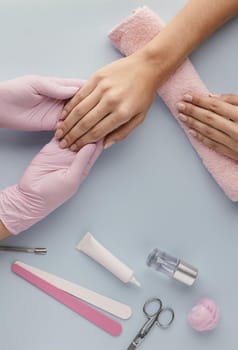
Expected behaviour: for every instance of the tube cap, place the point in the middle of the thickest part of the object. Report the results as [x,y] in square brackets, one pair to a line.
[185,273]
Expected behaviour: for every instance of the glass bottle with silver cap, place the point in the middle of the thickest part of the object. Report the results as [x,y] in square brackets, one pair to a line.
[172,267]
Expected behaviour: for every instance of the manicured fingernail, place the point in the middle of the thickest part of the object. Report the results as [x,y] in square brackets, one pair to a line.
[63,144]
[58,125]
[180,106]
[73,148]
[192,132]
[188,98]
[63,115]
[183,117]
[109,144]
[58,134]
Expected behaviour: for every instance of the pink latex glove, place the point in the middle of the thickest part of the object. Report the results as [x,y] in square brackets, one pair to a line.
[53,176]
[34,103]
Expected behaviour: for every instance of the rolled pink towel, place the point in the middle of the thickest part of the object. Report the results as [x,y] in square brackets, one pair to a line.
[204,316]
[134,32]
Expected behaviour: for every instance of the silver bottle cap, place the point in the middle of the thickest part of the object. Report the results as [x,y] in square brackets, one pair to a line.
[185,273]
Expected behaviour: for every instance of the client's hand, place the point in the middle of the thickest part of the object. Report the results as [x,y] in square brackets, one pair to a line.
[53,176]
[110,104]
[213,120]
[33,103]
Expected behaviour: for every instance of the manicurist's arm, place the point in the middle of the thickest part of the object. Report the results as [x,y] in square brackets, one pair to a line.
[118,96]
[4,233]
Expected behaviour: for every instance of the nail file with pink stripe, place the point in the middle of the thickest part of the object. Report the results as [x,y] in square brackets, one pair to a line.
[109,305]
[98,318]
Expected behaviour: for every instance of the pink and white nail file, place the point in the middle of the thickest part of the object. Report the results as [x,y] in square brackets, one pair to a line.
[103,321]
[113,307]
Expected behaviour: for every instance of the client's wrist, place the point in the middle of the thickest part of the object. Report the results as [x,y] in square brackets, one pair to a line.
[159,62]
[147,67]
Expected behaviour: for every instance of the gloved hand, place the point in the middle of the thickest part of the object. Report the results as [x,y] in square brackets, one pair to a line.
[53,176]
[34,103]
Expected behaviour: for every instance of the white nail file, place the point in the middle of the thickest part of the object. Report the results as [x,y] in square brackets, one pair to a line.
[114,307]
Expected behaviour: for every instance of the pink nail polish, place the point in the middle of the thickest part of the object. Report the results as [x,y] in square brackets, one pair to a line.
[73,148]
[188,98]
[180,106]
[63,144]
[183,117]
[59,134]
[63,115]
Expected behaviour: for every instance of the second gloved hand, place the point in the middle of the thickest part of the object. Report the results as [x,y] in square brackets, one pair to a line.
[34,103]
[53,176]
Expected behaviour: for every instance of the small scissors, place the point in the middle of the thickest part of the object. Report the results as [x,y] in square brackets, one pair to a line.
[153,319]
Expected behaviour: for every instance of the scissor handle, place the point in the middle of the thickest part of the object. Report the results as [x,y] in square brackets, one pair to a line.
[149,302]
[168,323]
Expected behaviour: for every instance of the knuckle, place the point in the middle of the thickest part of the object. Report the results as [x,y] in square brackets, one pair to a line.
[214,105]
[99,75]
[83,125]
[122,113]
[207,131]
[190,122]
[77,110]
[111,99]
[209,117]
[197,99]
[104,85]
[95,134]
[211,144]
[200,137]
[189,108]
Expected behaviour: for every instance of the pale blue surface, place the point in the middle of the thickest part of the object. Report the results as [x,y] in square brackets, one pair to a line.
[149,191]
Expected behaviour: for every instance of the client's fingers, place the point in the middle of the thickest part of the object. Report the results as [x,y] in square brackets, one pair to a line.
[222,149]
[78,97]
[123,131]
[230,98]
[191,113]
[77,122]
[213,104]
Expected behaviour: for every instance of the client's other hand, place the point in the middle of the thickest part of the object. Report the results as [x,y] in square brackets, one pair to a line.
[213,120]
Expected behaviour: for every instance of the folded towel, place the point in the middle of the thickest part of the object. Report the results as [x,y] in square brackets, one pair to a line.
[133,33]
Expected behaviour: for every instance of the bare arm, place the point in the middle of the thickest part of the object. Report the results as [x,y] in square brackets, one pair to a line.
[194,23]
[110,105]
[4,233]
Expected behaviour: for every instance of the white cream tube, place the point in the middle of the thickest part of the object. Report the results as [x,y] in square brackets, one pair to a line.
[90,246]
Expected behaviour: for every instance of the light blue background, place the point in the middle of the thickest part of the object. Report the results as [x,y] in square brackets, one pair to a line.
[149,191]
